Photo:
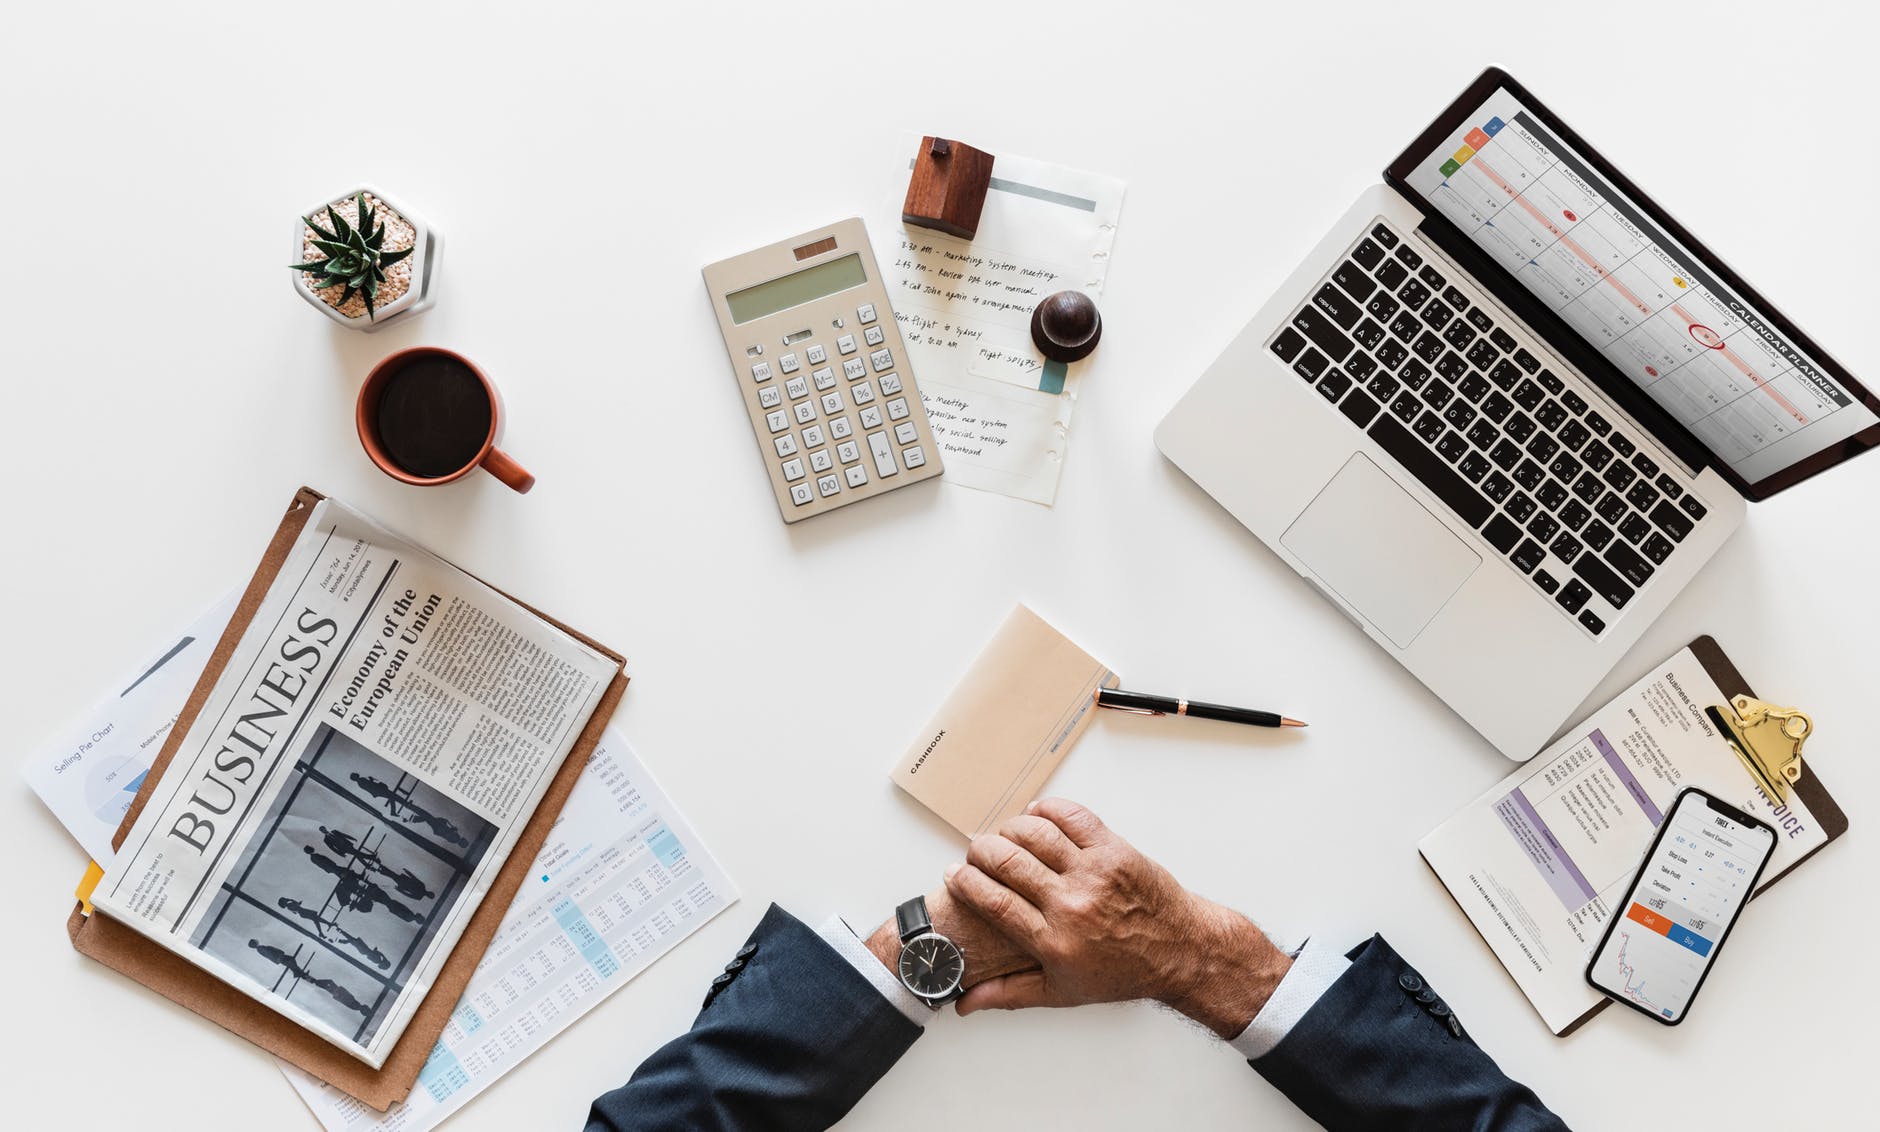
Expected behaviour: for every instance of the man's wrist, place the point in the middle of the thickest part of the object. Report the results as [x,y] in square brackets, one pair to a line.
[987,954]
[1229,973]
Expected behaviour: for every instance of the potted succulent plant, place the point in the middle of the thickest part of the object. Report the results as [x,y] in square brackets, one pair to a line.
[365,261]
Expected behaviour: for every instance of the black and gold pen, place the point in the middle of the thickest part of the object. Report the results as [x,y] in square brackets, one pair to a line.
[1143,703]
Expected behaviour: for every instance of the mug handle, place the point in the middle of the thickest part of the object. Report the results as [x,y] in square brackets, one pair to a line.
[497,463]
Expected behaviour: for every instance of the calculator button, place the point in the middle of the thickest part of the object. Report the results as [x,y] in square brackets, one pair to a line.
[793,470]
[828,485]
[873,336]
[832,402]
[754,351]
[801,494]
[788,363]
[913,457]
[797,388]
[857,475]
[871,417]
[816,355]
[760,372]
[769,397]
[819,460]
[847,452]
[778,421]
[854,368]
[813,436]
[890,384]
[904,432]
[883,452]
[865,313]
[897,409]
[863,393]
[846,343]
[806,411]
[786,445]
[825,378]
[839,428]
[881,359]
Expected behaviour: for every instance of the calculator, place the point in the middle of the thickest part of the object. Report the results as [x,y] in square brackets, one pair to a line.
[823,371]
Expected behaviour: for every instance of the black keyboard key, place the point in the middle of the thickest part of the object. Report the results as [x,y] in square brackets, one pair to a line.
[1391,355]
[1414,373]
[1473,467]
[1459,335]
[1588,488]
[1527,394]
[1642,496]
[1503,340]
[1528,556]
[1596,455]
[1690,506]
[1542,447]
[1596,535]
[1459,414]
[1529,475]
[1658,548]
[1384,236]
[1452,447]
[1506,454]
[1600,425]
[1428,347]
[1548,380]
[1406,407]
[1391,274]
[1647,466]
[1573,434]
[1436,394]
[1383,387]
[1310,364]
[1551,415]
[1383,307]
[1671,521]
[1496,407]
[1565,547]
[1520,427]
[1634,529]
[1405,326]
[1497,486]
[1630,564]
[1368,254]
[1434,278]
[1430,471]
[1353,279]
[1334,384]
[1603,581]
[1482,354]
[1611,508]
[1480,320]
[1338,305]
[1369,334]
[1669,486]
[1452,367]
[1545,581]
[1288,344]
[1621,445]
[1436,315]
[1456,299]
[1482,434]
[1360,366]
[1504,374]
[1501,533]
[1323,333]
[1411,259]
[1551,495]
[1574,594]
[1565,467]
[1592,622]
[1429,426]
[1575,403]
[1620,476]
[1413,294]
[1359,407]
[1472,387]
[1521,508]
[1574,515]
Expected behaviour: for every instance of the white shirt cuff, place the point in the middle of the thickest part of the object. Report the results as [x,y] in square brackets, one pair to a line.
[837,934]
[1315,967]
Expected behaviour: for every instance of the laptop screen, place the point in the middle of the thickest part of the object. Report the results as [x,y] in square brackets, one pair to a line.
[1665,315]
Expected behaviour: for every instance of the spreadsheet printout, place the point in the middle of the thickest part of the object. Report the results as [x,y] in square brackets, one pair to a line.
[620,881]
[1652,307]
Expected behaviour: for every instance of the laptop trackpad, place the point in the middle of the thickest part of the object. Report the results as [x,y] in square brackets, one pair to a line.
[1380,550]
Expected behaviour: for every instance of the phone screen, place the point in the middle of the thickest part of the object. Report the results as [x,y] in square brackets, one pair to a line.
[1696,877]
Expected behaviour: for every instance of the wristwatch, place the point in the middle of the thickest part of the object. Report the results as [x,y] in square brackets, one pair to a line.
[931,965]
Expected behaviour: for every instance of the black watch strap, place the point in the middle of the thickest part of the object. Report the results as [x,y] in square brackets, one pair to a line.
[911,918]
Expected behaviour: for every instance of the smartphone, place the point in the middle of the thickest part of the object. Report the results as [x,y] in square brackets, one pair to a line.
[1679,909]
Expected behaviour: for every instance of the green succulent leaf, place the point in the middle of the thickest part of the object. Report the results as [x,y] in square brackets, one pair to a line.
[318,266]
[389,258]
[339,224]
[317,230]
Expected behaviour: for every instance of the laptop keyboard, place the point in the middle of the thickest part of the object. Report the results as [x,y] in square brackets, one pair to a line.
[1510,447]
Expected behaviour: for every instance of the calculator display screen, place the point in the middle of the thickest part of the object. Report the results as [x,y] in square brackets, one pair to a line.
[794,290]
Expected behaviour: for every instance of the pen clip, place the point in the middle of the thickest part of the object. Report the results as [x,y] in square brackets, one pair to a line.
[1130,710]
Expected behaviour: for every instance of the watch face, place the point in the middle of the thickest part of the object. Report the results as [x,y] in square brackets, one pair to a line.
[931,966]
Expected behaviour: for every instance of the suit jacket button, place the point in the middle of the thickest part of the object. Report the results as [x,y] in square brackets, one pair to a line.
[747,950]
[1455,1026]
[723,980]
[1426,996]
[735,965]
[1410,983]
[1439,1009]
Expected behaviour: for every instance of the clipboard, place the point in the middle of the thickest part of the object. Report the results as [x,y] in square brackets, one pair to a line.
[125,951]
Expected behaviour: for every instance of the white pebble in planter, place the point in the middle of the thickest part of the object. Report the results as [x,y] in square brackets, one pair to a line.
[365,279]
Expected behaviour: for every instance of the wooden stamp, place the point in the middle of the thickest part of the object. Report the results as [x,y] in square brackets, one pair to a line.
[948,189]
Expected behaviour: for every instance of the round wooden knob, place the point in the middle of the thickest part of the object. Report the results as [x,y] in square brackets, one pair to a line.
[1066,326]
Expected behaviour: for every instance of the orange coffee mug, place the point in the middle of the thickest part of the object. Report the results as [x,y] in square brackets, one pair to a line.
[429,416]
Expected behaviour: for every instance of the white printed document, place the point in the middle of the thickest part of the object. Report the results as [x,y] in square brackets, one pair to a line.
[620,881]
[1000,411]
[1539,862]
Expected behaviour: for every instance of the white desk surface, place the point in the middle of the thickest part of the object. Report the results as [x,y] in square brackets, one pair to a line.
[166,393]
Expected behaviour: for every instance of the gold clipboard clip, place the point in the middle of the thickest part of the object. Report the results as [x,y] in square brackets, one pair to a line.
[1768,739]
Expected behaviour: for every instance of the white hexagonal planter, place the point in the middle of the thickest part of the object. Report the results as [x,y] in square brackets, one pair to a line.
[415,276]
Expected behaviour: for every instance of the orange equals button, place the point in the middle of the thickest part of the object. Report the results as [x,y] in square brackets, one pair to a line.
[1476,139]
[1649,919]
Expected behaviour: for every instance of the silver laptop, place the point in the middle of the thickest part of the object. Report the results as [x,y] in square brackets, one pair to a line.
[1506,410]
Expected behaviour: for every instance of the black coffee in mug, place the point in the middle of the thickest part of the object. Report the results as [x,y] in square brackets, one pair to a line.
[433,415]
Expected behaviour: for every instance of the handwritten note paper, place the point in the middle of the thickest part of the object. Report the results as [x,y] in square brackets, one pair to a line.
[1001,412]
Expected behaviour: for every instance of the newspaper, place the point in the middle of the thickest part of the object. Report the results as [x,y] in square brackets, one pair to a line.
[354,782]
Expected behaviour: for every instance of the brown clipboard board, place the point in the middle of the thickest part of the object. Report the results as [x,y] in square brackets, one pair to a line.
[127,952]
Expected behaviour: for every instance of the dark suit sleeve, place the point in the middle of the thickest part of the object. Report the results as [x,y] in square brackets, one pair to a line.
[790,1042]
[1370,1055]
